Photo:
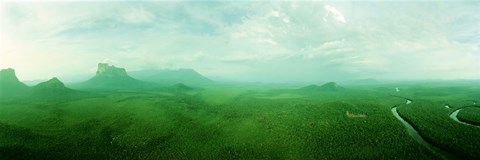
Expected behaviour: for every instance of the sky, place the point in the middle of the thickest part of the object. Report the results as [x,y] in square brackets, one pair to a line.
[255,41]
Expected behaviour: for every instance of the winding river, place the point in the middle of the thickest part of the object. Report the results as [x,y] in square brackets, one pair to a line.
[411,131]
[454,114]
[414,133]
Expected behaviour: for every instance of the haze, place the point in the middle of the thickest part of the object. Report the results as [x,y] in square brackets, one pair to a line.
[245,41]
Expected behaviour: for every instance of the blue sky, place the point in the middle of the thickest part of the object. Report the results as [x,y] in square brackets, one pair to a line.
[246,41]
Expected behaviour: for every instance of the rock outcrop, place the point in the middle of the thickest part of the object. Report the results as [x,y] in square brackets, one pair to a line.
[110,71]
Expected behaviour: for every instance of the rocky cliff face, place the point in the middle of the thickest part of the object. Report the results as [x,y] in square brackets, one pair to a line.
[8,79]
[106,70]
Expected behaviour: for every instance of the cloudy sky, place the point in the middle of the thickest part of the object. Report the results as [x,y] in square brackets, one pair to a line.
[245,41]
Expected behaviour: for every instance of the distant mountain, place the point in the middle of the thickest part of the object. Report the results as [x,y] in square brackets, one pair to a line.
[181,87]
[55,89]
[330,86]
[52,85]
[111,77]
[187,76]
[10,85]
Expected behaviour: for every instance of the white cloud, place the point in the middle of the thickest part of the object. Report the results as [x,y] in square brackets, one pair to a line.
[337,15]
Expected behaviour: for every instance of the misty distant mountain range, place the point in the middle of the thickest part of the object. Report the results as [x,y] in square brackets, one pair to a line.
[106,77]
[158,76]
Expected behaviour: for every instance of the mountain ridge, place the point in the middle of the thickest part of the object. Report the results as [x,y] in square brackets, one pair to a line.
[111,77]
[329,86]
[51,84]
